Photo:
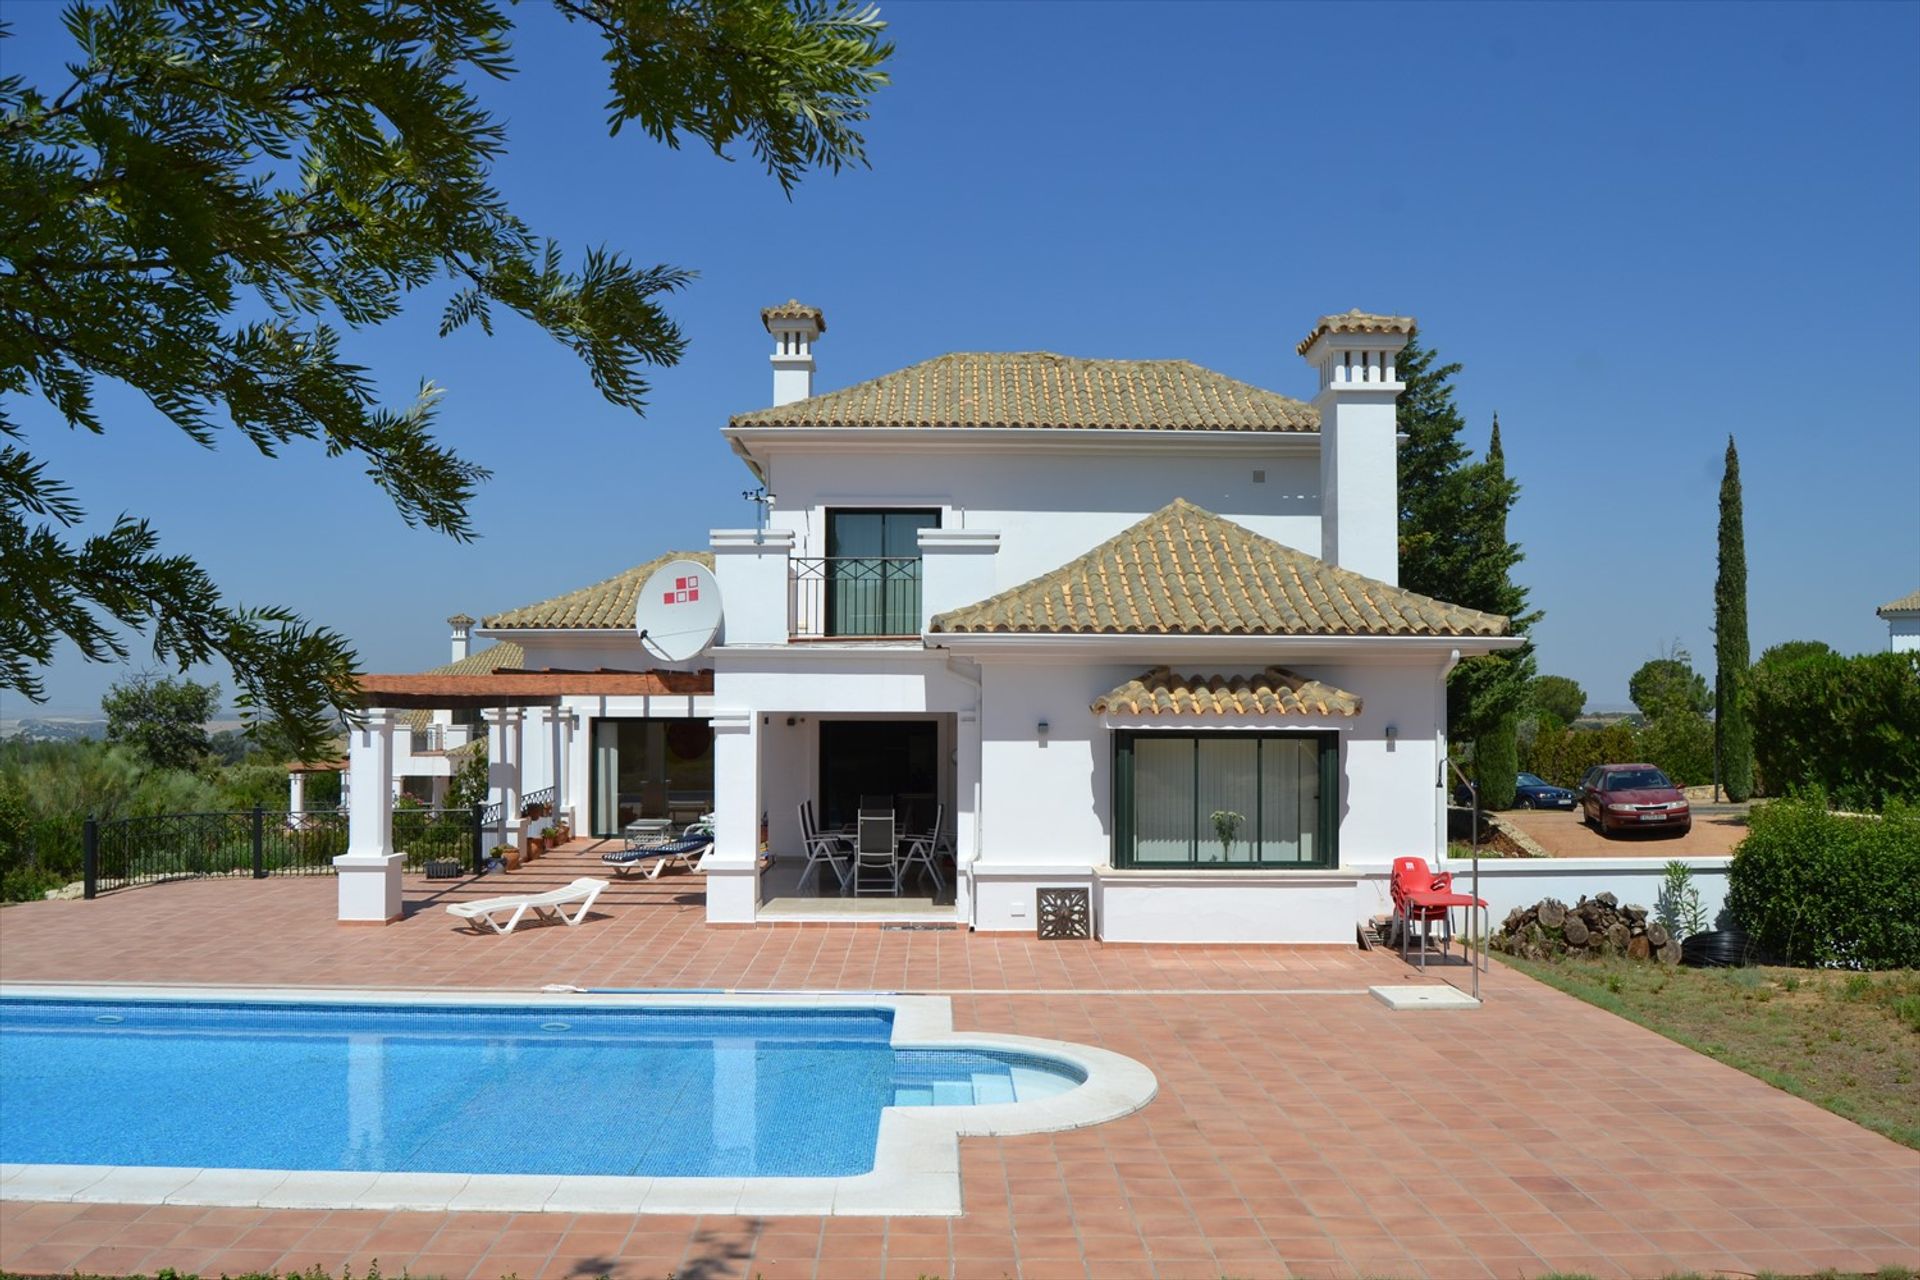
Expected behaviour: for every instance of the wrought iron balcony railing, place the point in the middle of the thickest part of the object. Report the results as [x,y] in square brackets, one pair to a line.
[853,597]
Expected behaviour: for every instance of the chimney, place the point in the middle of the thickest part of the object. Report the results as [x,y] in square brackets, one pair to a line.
[794,326]
[462,631]
[1354,355]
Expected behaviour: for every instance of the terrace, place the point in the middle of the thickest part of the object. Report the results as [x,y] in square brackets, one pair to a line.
[1301,1128]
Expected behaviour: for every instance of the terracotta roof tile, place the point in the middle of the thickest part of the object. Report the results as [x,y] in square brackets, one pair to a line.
[1274,692]
[1357,321]
[1909,603]
[793,309]
[603,606]
[1039,389]
[1186,571]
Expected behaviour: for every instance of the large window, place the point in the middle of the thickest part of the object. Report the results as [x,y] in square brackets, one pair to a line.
[650,769]
[1283,788]
[873,571]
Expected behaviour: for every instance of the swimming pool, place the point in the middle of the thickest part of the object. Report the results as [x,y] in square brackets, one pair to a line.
[638,1091]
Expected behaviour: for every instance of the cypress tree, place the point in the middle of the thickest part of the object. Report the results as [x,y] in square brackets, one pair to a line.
[1733,733]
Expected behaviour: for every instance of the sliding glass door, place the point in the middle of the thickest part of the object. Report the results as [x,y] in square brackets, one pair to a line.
[873,571]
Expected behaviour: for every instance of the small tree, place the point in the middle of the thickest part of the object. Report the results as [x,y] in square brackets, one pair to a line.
[470,784]
[1226,829]
[164,719]
[1558,697]
[1669,683]
[1733,735]
[1496,762]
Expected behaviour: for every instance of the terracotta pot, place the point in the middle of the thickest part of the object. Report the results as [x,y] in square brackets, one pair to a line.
[512,859]
[536,845]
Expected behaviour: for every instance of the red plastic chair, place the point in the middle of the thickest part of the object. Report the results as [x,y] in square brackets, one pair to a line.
[1420,895]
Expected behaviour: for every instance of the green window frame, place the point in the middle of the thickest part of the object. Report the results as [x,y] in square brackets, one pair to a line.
[1200,849]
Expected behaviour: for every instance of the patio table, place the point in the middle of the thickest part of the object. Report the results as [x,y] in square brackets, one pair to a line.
[1434,899]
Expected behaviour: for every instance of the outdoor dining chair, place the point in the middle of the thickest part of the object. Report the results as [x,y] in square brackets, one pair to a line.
[876,854]
[1420,896]
[923,848]
[822,847]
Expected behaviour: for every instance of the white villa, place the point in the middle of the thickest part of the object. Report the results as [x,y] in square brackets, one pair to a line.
[1069,608]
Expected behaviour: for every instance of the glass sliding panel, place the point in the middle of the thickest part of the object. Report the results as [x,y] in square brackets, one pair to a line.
[606,776]
[1163,793]
[1289,799]
[856,541]
[901,609]
[1229,782]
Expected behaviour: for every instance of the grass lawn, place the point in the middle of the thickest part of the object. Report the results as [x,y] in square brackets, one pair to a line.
[1849,1042]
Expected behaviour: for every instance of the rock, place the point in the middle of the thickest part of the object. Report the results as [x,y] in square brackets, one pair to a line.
[1576,932]
[1657,935]
[1638,948]
[1552,914]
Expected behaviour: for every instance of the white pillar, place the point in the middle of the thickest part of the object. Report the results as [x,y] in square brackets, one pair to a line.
[369,871]
[296,797]
[733,869]
[504,726]
[560,726]
[966,811]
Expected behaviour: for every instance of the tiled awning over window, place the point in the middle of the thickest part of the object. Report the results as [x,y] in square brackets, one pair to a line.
[1274,692]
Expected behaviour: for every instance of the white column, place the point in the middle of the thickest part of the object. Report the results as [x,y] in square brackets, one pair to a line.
[369,871]
[296,798]
[560,725]
[966,811]
[504,727]
[733,869]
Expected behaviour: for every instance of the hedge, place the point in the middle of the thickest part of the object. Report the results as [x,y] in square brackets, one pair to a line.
[1817,888]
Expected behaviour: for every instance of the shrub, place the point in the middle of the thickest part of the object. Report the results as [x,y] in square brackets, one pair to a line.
[1496,761]
[1816,888]
[1562,756]
[1850,726]
[1681,743]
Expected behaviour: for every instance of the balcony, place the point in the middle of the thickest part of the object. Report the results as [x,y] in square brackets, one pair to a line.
[853,597]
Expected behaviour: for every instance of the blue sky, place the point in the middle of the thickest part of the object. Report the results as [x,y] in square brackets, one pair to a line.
[1639,227]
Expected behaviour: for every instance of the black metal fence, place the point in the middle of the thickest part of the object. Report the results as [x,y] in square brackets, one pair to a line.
[175,846]
[854,596]
[261,842]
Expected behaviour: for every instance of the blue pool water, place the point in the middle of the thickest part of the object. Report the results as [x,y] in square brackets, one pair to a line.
[643,1092]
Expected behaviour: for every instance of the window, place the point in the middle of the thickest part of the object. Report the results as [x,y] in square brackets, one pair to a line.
[1167,786]
[873,571]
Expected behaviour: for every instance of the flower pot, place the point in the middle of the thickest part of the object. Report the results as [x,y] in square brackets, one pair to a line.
[512,858]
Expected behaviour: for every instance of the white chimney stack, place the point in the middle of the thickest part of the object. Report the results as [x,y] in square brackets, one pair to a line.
[462,632]
[794,326]
[1354,355]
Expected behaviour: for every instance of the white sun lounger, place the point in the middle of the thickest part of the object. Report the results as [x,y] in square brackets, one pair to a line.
[551,905]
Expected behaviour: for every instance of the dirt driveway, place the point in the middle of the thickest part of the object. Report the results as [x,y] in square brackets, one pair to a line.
[1716,830]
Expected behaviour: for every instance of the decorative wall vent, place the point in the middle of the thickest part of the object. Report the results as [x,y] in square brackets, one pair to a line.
[1064,913]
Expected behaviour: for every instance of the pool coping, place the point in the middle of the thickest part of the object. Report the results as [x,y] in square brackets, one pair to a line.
[916,1169]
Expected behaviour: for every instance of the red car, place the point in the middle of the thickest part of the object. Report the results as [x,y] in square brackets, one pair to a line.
[1633,797]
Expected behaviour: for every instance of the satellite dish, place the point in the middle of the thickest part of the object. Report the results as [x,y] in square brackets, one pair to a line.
[678,611]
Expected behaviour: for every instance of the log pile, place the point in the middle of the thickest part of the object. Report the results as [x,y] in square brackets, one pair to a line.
[1596,926]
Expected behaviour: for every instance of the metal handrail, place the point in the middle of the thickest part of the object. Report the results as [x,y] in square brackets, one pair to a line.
[1475,914]
[871,597]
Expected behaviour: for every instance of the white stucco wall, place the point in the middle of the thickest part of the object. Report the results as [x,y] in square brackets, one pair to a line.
[1048,506]
[1903,633]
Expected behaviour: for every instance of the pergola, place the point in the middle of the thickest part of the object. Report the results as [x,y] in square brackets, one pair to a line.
[370,868]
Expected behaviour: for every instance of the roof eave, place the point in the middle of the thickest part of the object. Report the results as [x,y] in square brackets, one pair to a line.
[1217,647]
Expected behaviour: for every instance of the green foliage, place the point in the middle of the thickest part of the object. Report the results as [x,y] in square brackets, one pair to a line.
[1669,684]
[1789,652]
[1850,726]
[1816,888]
[1495,763]
[1562,756]
[1226,829]
[163,718]
[1732,731]
[1557,697]
[221,189]
[1679,905]
[1681,743]
[470,784]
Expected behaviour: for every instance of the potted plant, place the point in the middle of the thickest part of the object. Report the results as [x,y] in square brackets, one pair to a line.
[536,845]
[1226,828]
[509,854]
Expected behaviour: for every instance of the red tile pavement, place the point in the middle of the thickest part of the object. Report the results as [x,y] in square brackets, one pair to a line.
[1293,1135]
